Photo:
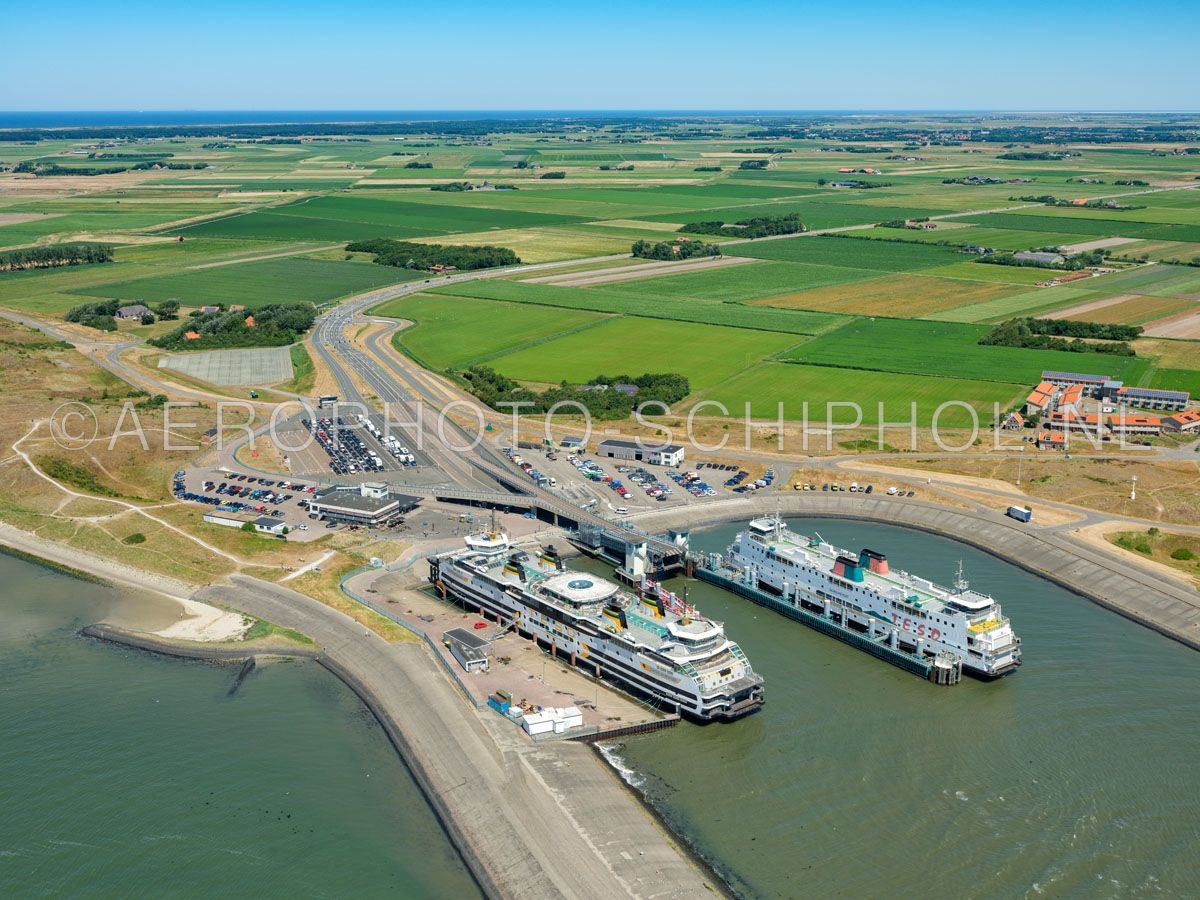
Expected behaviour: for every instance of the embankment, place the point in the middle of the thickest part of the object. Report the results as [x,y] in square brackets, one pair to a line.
[531,820]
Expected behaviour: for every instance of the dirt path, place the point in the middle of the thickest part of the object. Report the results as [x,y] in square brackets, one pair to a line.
[1182,325]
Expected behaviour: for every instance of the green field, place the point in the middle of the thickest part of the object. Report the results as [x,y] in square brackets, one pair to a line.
[706,354]
[457,332]
[612,300]
[809,298]
[1177,380]
[772,383]
[350,218]
[287,280]
[950,349]
[849,252]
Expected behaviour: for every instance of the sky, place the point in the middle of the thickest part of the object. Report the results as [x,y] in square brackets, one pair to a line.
[693,55]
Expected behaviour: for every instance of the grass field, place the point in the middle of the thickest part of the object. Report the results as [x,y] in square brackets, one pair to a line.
[349,218]
[849,252]
[706,354]
[457,331]
[613,300]
[1177,380]
[950,349]
[772,383]
[287,280]
[893,295]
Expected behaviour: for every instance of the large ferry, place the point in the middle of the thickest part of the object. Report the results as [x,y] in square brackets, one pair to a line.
[653,645]
[861,592]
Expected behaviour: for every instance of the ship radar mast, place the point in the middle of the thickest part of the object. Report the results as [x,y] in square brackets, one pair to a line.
[960,581]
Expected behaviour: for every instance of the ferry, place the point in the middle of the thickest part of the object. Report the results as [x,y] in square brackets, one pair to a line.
[863,594]
[652,644]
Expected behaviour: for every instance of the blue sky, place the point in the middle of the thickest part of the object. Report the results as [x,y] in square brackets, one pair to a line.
[616,55]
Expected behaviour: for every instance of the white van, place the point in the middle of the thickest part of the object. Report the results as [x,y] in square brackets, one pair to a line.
[622,510]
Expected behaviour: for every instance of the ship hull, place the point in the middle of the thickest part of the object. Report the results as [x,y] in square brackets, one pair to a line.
[583,645]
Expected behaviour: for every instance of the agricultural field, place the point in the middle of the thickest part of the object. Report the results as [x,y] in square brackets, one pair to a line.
[459,332]
[849,252]
[287,280]
[706,354]
[613,299]
[341,218]
[766,386]
[951,350]
[893,295]
[885,313]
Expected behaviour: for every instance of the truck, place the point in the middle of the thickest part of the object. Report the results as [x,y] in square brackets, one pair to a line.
[1020,513]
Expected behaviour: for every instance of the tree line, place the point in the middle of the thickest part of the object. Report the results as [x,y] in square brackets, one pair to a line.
[761,226]
[1051,334]
[605,404]
[408,255]
[54,255]
[673,249]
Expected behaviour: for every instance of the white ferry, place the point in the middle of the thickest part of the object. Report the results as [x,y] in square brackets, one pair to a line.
[862,592]
[653,645]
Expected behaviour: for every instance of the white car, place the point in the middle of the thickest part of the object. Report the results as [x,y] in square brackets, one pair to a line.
[302,527]
[891,492]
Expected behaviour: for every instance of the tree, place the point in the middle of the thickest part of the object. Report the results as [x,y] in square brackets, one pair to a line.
[148,318]
[248,527]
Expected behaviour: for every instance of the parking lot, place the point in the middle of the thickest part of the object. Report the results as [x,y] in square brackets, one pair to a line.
[609,485]
[357,446]
[223,491]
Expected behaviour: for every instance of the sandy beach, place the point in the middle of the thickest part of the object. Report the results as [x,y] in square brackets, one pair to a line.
[193,621]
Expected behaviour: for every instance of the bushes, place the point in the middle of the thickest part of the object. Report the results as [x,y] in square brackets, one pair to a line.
[95,315]
[453,187]
[552,175]
[1183,554]
[54,255]
[407,255]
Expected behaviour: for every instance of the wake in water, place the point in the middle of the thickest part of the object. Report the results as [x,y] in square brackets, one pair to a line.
[611,754]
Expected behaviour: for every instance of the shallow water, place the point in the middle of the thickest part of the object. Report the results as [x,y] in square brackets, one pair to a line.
[125,773]
[1077,776]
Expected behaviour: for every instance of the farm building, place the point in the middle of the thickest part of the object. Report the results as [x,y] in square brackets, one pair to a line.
[1038,257]
[132,312]
[670,455]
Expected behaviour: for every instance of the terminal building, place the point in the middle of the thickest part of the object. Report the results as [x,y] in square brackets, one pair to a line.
[670,455]
[370,504]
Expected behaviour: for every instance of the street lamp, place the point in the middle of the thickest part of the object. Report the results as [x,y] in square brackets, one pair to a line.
[1133,488]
